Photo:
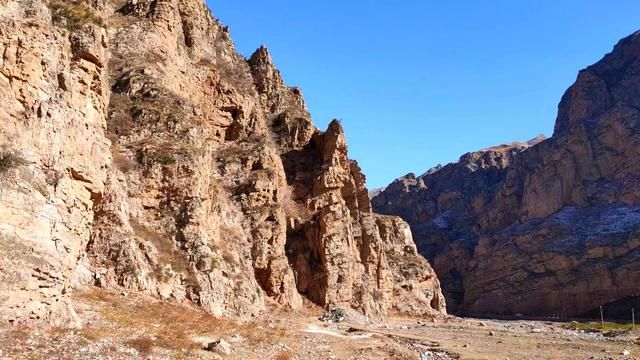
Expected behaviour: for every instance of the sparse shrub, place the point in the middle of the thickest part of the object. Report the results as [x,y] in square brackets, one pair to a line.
[597,326]
[143,345]
[166,153]
[168,252]
[231,234]
[10,160]
[164,157]
[139,325]
[284,355]
[73,15]
[228,257]
[157,156]
[291,207]
[235,73]
[155,56]
[237,76]
[120,121]
[123,163]
[164,274]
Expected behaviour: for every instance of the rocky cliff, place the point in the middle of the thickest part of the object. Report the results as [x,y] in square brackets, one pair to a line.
[547,227]
[141,151]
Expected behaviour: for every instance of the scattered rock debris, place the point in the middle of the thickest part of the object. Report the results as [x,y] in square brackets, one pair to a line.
[219,346]
[335,315]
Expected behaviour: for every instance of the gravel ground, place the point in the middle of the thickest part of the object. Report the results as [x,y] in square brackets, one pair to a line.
[140,327]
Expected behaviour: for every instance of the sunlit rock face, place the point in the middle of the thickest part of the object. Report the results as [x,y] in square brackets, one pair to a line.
[545,227]
[141,151]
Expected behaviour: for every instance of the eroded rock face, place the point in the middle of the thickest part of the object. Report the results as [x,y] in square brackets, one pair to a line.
[343,254]
[54,95]
[146,154]
[549,227]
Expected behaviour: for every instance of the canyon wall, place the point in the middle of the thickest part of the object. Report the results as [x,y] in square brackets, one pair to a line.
[545,228]
[140,151]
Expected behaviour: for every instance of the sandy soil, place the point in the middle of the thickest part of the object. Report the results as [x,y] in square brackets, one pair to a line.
[120,326]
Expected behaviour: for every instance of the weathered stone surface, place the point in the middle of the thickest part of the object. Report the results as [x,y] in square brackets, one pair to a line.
[53,119]
[146,154]
[543,228]
[344,254]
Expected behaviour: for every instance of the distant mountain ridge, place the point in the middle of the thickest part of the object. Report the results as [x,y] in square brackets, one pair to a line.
[543,227]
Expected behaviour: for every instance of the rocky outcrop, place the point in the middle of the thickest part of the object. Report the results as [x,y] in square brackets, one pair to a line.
[54,156]
[142,152]
[343,254]
[545,229]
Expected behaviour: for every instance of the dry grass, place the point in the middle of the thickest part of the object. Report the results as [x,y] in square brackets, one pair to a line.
[162,156]
[594,326]
[144,345]
[291,207]
[168,253]
[19,334]
[121,161]
[228,257]
[120,122]
[284,355]
[234,73]
[149,323]
[167,153]
[73,15]
[145,323]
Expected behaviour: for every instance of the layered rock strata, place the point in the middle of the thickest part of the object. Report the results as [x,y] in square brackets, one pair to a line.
[141,151]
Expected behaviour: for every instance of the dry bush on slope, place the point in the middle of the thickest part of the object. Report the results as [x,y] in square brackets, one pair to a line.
[10,160]
[145,323]
[291,207]
[73,15]
[168,253]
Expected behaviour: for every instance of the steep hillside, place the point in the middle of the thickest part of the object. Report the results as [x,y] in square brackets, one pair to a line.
[141,151]
[543,228]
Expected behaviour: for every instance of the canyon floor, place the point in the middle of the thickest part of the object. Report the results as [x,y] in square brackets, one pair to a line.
[123,326]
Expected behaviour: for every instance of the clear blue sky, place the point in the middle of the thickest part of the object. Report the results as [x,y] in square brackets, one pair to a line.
[420,82]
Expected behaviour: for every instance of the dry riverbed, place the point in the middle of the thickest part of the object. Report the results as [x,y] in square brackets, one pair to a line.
[121,326]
